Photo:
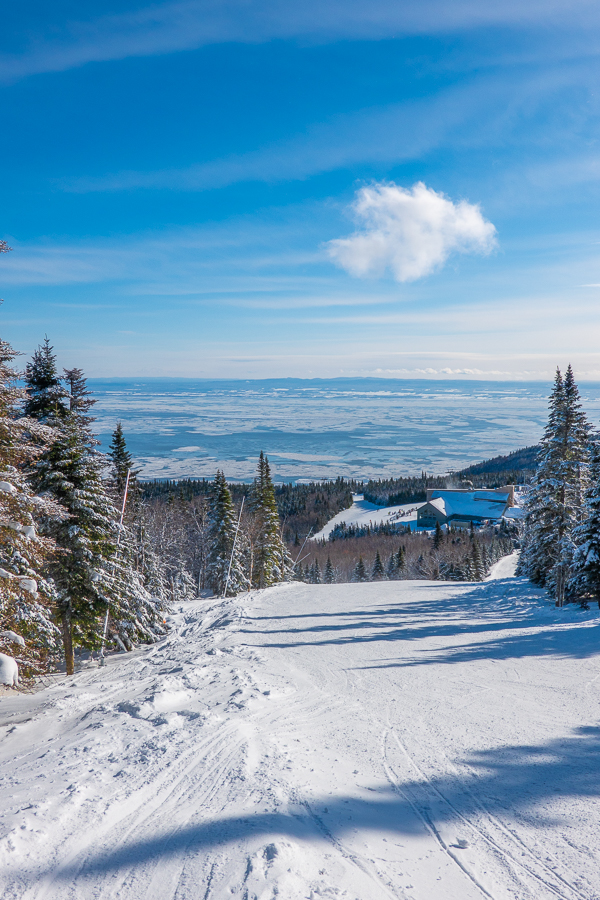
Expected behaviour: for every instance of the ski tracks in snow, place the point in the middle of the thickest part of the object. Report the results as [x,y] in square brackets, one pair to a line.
[513,869]
[301,742]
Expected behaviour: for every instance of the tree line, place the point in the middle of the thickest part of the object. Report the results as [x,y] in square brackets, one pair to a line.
[455,554]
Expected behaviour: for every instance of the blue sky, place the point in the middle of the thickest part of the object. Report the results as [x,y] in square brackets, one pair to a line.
[264,189]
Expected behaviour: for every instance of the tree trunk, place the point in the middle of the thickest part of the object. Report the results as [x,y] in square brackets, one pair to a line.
[67,636]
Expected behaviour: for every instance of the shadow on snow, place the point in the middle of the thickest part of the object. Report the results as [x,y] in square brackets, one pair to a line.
[507,611]
[504,782]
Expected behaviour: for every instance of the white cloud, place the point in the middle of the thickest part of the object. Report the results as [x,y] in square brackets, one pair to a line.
[411,232]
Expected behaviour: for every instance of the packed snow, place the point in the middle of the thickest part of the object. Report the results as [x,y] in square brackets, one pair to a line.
[363,513]
[422,740]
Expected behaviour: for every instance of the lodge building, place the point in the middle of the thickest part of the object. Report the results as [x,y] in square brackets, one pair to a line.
[463,507]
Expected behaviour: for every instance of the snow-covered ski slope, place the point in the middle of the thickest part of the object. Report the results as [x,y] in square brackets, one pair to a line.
[423,740]
[364,513]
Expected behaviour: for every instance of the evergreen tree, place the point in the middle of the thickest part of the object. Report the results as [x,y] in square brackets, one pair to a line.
[27,629]
[585,579]
[122,461]
[316,575]
[438,536]
[378,572]
[271,560]
[401,561]
[360,572]
[78,396]
[477,569]
[45,394]
[391,569]
[225,551]
[329,574]
[91,577]
[71,473]
[555,501]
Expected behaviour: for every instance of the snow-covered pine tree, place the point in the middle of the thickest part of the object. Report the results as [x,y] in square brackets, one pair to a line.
[329,573]
[222,537]
[360,572]
[27,629]
[401,562]
[554,504]
[46,396]
[377,572]
[477,567]
[78,397]
[391,569]
[573,474]
[90,575]
[538,540]
[585,578]
[122,460]
[70,472]
[271,560]
[298,572]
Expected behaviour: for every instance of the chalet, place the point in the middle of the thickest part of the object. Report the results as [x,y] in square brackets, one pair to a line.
[461,507]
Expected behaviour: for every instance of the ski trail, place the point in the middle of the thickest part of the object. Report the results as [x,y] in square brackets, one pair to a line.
[502,841]
[426,819]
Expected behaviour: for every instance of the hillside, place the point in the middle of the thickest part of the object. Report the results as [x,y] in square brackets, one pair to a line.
[419,740]
[520,461]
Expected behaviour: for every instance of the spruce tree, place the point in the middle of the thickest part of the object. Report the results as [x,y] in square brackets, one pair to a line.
[122,460]
[223,558]
[78,396]
[477,568]
[46,396]
[329,574]
[378,572]
[27,628]
[316,572]
[271,560]
[401,562]
[585,578]
[360,572]
[538,539]
[94,570]
[555,501]
[391,569]
[71,474]
[438,536]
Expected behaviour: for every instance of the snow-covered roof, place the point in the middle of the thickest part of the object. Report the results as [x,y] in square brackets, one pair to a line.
[470,504]
[514,512]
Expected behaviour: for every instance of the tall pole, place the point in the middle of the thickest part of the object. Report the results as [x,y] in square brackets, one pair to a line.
[303,546]
[105,629]
[233,549]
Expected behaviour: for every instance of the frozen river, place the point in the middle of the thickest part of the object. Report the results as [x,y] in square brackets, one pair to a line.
[314,428]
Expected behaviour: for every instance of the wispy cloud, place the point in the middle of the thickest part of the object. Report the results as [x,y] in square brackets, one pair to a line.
[528,110]
[395,133]
[188,24]
[411,232]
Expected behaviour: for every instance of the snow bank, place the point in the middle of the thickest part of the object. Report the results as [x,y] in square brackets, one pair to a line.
[9,671]
[414,740]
